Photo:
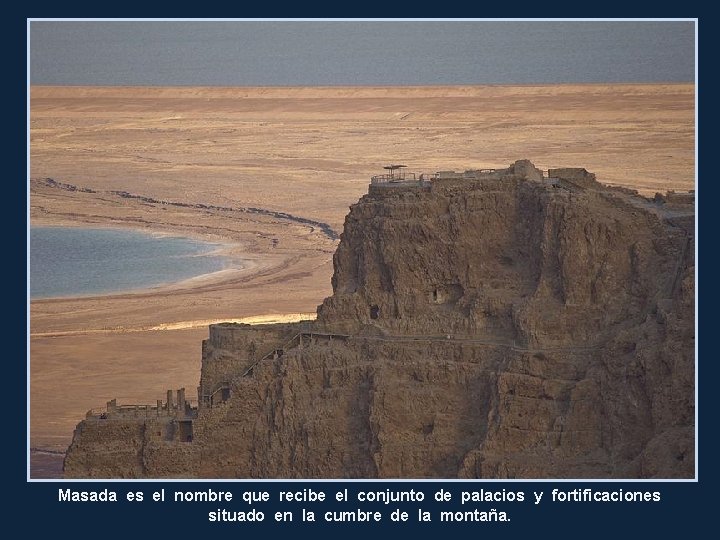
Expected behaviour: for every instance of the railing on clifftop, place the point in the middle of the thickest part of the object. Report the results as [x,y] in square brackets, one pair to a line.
[392,178]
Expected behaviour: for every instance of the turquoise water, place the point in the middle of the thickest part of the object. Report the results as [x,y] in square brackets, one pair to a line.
[68,261]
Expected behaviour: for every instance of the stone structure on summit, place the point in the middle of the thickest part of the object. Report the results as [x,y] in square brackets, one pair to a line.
[502,323]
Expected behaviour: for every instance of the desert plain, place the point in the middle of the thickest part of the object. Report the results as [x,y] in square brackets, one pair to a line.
[269,173]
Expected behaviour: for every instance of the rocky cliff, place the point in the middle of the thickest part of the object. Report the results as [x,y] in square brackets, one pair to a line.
[504,324]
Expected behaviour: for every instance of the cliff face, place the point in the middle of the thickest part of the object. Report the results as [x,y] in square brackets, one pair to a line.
[496,324]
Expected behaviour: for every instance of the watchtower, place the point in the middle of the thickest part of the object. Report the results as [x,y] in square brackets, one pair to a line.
[393,169]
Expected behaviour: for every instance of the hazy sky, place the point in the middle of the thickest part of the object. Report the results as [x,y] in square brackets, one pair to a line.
[236,53]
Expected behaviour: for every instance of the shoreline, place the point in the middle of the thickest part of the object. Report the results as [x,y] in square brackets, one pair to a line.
[232,251]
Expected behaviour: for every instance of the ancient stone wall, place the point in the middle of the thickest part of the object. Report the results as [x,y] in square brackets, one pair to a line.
[232,348]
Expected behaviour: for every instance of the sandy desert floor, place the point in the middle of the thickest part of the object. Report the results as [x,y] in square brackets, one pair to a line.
[230,165]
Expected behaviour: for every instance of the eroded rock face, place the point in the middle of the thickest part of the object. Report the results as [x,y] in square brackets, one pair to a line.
[502,324]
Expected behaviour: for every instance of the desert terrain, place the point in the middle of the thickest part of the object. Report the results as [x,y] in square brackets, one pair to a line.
[270,174]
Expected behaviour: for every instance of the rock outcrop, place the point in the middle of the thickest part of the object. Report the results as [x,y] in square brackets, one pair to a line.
[495,324]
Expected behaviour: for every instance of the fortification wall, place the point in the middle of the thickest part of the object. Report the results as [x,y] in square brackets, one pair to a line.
[232,348]
[576,175]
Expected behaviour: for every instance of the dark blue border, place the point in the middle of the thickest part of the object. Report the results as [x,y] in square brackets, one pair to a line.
[684,508]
